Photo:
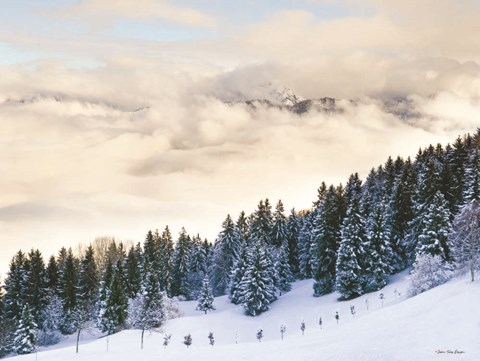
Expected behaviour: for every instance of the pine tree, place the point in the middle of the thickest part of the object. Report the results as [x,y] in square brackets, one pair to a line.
[68,282]
[235,287]
[25,338]
[326,236]
[15,298]
[35,285]
[87,292]
[52,275]
[459,162]
[133,272]
[88,279]
[401,214]
[258,288]
[279,227]
[181,264]
[305,246]
[284,276]
[150,253]
[205,302]
[293,230]
[471,188]
[242,227]
[104,293]
[197,269]
[226,253]
[349,270]
[378,252]
[436,227]
[166,258]
[261,224]
[6,330]
[429,183]
[115,312]
[61,260]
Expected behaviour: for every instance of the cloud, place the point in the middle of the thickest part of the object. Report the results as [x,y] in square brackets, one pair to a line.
[138,10]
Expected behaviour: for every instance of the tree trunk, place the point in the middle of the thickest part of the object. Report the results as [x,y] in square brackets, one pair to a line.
[472,271]
[78,338]
[143,331]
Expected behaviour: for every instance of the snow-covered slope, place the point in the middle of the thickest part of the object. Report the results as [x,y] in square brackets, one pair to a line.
[431,326]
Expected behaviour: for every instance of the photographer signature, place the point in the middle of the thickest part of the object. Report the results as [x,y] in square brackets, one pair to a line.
[454,352]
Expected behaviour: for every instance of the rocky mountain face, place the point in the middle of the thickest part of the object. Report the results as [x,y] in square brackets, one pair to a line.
[285,98]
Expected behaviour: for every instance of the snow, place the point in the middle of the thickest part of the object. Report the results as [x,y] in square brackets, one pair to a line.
[444,319]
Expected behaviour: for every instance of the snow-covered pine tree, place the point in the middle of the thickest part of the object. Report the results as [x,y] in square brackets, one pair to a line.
[284,276]
[114,310]
[5,330]
[279,226]
[429,174]
[465,238]
[373,189]
[378,256]
[133,274]
[235,288]
[104,292]
[150,251]
[242,227]
[279,238]
[459,160]
[68,287]
[401,214]
[305,246]
[292,235]
[181,264]
[205,301]
[52,275]
[15,298]
[349,270]
[88,283]
[471,187]
[225,256]
[25,337]
[198,268]
[166,260]
[35,285]
[261,224]
[435,230]
[448,183]
[326,239]
[258,285]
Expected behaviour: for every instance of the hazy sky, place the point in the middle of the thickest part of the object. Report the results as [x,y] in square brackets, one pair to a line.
[114,120]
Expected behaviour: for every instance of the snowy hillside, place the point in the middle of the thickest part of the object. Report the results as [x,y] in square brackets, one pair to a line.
[444,319]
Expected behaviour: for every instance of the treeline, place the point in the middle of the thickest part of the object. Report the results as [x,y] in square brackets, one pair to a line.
[351,239]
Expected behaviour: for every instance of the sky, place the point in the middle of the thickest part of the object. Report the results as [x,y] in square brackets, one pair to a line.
[122,116]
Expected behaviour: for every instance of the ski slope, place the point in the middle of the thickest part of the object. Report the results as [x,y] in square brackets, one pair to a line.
[440,324]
